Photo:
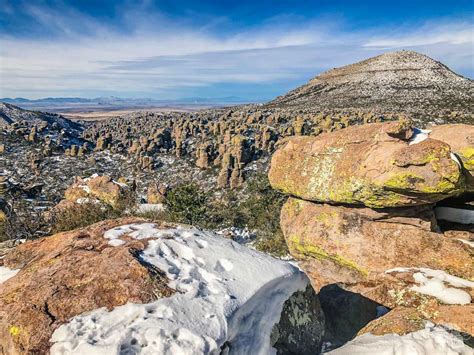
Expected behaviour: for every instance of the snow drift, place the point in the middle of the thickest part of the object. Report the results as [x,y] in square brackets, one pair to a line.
[227,296]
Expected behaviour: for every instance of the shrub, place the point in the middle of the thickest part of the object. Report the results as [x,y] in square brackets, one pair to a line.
[187,203]
[85,214]
[262,213]
[81,215]
[256,207]
[23,223]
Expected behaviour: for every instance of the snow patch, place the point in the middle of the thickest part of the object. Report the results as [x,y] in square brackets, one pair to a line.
[226,293]
[457,215]
[468,242]
[7,273]
[437,283]
[455,159]
[419,135]
[137,231]
[433,340]
[150,207]
[240,235]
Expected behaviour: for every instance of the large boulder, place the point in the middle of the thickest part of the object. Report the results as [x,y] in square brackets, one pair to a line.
[460,138]
[390,256]
[126,285]
[64,275]
[357,245]
[97,188]
[374,165]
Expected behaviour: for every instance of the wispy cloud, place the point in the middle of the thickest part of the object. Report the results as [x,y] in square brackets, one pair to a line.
[160,57]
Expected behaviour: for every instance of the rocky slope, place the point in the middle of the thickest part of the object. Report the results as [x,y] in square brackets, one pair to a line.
[403,81]
[10,114]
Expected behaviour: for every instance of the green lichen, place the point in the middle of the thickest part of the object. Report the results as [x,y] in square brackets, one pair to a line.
[449,183]
[320,254]
[297,316]
[403,181]
[467,157]
[326,217]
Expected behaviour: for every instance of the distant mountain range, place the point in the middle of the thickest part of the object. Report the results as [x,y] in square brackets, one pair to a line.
[99,103]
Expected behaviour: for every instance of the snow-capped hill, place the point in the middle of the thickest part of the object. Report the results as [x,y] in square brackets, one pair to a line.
[403,81]
[10,114]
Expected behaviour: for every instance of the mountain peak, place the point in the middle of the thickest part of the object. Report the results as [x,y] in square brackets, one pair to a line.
[402,81]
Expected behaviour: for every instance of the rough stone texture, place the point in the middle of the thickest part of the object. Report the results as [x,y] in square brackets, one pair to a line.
[156,193]
[371,165]
[403,320]
[460,138]
[301,326]
[355,246]
[67,274]
[102,188]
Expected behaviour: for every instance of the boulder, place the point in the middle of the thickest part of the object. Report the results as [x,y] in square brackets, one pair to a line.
[101,188]
[372,165]
[128,285]
[358,246]
[403,320]
[66,275]
[156,193]
[460,138]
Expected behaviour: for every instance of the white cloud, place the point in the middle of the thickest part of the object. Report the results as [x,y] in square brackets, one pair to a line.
[428,34]
[158,56]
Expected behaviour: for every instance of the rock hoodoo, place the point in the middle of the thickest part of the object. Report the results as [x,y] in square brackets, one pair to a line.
[362,216]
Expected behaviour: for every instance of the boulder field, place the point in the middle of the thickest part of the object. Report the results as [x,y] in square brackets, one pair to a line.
[130,286]
[361,215]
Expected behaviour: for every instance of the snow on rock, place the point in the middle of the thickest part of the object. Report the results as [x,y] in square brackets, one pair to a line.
[457,215]
[419,135]
[150,207]
[240,235]
[439,284]
[433,340]
[6,273]
[468,242]
[227,293]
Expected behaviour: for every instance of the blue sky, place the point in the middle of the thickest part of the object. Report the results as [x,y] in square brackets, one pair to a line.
[251,49]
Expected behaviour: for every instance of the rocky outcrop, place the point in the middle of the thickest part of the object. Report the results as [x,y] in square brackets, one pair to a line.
[362,217]
[123,285]
[460,138]
[372,165]
[98,188]
[403,320]
[357,246]
[65,275]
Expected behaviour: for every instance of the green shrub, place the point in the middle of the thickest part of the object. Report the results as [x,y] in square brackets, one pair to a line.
[81,215]
[262,213]
[187,203]
[256,207]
